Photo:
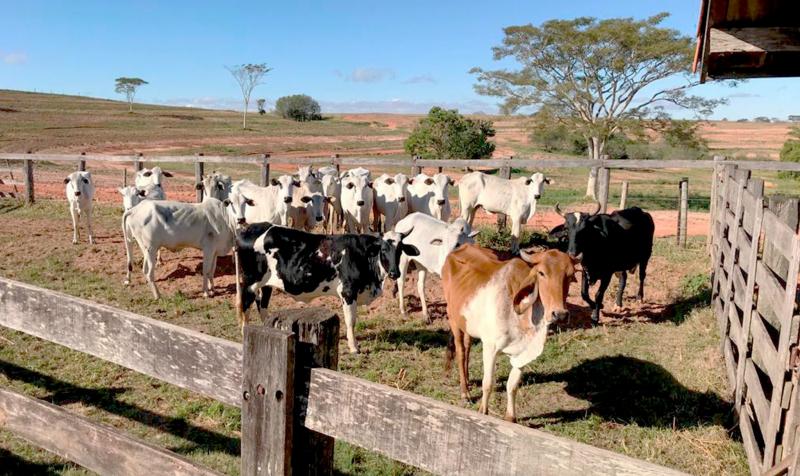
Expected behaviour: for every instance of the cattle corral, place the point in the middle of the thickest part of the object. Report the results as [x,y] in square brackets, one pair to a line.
[407,354]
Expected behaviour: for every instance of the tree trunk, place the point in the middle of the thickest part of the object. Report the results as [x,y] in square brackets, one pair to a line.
[595,151]
[244,117]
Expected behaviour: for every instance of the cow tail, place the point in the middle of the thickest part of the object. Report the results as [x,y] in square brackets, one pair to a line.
[449,353]
[126,240]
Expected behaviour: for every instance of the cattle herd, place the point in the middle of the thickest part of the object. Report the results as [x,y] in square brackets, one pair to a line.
[390,223]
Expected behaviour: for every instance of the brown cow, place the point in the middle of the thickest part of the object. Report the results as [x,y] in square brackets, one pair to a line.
[508,304]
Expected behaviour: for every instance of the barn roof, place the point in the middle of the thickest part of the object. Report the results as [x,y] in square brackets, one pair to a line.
[748,39]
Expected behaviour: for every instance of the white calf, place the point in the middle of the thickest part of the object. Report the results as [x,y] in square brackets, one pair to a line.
[390,201]
[80,192]
[307,208]
[429,195]
[356,202]
[265,204]
[516,198]
[207,226]
[332,190]
[215,185]
[131,196]
[150,180]
[435,239]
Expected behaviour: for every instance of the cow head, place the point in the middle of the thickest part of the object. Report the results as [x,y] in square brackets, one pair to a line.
[580,229]
[396,186]
[331,187]
[535,184]
[356,195]
[131,196]
[551,273]
[456,234]
[79,184]
[150,177]
[388,250]
[236,203]
[285,185]
[314,203]
[215,185]
[307,176]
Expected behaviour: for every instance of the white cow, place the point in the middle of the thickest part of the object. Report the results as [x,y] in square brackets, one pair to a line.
[308,207]
[131,196]
[216,185]
[429,195]
[516,198]
[435,239]
[270,204]
[307,176]
[207,226]
[332,189]
[80,193]
[150,181]
[390,201]
[357,199]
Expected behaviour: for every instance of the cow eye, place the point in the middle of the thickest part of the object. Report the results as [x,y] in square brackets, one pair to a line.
[275,183]
[85,180]
[350,185]
[541,273]
[250,202]
[147,174]
[429,182]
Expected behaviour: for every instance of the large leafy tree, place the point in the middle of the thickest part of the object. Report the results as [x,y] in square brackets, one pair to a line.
[248,76]
[298,107]
[446,134]
[596,77]
[128,87]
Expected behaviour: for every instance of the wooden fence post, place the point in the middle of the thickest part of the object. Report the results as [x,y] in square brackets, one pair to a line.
[198,178]
[683,210]
[623,195]
[335,163]
[264,170]
[82,162]
[267,401]
[29,195]
[788,210]
[317,331]
[714,202]
[505,173]
[415,169]
[124,177]
[603,182]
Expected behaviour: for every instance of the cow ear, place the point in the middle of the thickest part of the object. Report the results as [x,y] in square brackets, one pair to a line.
[409,250]
[549,181]
[66,180]
[250,202]
[274,183]
[141,193]
[451,182]
[528,181]
[305,199]
[525,293]
[436,241]
[166,174]
[220,186]
[474,233]
[369,184]
[410,181]
[198,186]
[328,199]
[296,183]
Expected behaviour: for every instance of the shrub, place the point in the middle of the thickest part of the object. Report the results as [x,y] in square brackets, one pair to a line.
[446,134]
[790,153]
[298,107]
[558,139]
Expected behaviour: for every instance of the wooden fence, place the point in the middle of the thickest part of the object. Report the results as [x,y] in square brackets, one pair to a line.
[755,255]
[293,401]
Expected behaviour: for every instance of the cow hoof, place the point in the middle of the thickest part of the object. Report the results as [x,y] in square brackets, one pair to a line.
[427,318]
[354,352]
[510,418]
[74,242]
[126,282]
[91,241]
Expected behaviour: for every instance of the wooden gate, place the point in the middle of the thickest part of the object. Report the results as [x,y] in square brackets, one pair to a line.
[755,255]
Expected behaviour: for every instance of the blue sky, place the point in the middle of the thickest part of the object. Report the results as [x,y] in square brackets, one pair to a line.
[353,56]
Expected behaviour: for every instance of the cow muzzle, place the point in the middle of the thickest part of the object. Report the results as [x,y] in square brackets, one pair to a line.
[77,194]
[360,203]
[241,221]
[401,199]
[287,199]
[319,218]
[537,197]
[440,202]
[560,315]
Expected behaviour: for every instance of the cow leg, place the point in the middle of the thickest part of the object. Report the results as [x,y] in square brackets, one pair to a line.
[421,274]
[598,298]
[512,385]
[263,303]
[516,228]
[642,275]
[463,372]
[150,273]
[350,314]
[404,260]
[208,271]
[623,280]
[467,348]
[585,290]
[489,358]
[89,225]
[75,224]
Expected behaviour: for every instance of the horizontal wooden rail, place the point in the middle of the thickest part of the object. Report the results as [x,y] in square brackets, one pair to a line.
[96,447]
[207,365]
[445,439]
[536,162]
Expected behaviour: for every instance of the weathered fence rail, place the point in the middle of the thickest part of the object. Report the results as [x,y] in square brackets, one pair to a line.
[292,405]
[756,255]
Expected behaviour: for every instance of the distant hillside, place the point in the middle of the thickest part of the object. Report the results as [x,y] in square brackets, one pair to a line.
[72,124]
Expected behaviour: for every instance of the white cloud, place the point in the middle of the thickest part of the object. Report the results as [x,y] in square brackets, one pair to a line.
[422,78]
[367,75]
[14,57]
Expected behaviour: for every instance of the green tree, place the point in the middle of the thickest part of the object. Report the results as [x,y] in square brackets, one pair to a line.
[260,104]
[298,107]
[596,77]
[248,76]
[446,134]
[128,87]
[790,152]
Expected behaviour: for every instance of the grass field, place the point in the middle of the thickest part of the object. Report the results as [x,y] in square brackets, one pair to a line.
[648,383]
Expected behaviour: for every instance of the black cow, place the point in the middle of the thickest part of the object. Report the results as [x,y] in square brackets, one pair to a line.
[305,266]
[608,243]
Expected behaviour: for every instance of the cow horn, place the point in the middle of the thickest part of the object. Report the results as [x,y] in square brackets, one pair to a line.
[558,210]
[526,256]
[597,210]
[403,235]
[577,258]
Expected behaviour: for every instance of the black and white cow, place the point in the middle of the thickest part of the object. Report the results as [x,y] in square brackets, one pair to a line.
[307,266]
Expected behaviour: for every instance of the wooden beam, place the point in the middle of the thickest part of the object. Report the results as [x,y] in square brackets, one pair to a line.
[96,447]
[445,439]
[753,52]
[183,357]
